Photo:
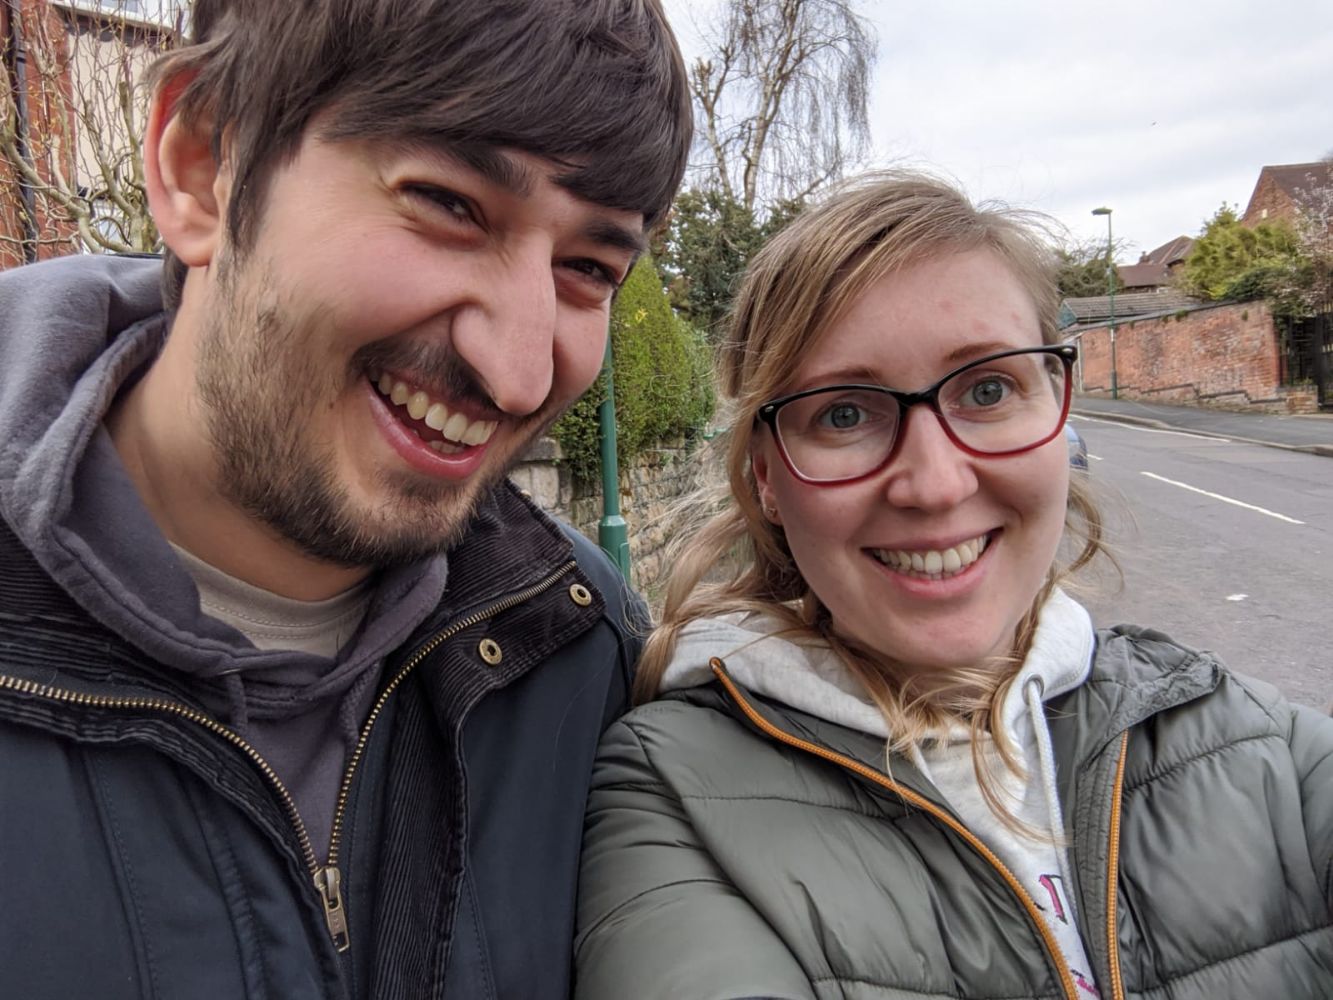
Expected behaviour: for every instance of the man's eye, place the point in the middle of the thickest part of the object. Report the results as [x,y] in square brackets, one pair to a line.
[594,270]
[444,200]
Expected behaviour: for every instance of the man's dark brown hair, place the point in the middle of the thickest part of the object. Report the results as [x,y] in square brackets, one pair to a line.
[597,86]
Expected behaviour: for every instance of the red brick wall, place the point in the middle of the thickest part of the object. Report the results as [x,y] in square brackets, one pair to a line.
[43,109]
[1270,198]
[1224,356]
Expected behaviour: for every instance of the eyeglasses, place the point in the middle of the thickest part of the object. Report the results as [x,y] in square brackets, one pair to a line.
[1004,404]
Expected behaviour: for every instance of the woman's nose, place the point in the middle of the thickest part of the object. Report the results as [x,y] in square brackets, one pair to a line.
[929,472]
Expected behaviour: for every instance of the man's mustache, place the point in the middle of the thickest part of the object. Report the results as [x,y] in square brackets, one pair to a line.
[434,368]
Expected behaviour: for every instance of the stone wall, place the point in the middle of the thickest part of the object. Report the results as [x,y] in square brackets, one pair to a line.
[648,489]
[1224,356]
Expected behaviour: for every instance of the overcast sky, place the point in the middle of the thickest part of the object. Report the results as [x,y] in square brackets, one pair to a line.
[1161,110]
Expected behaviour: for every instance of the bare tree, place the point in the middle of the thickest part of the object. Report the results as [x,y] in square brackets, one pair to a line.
[782,96]
[73,143]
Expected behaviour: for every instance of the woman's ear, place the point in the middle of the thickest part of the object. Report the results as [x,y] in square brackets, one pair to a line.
[187,188]
[767,503]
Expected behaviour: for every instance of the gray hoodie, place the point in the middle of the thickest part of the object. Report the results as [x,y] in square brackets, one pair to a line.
[74,333]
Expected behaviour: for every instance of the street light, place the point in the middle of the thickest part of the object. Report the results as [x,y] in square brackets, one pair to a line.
[1110,289]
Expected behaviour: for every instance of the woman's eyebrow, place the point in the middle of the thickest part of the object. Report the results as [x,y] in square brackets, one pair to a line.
[967,352]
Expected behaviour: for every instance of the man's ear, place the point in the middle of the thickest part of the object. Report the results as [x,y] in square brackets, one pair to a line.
[187,188]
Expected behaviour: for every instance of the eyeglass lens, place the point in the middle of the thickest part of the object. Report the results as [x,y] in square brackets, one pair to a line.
[997,405]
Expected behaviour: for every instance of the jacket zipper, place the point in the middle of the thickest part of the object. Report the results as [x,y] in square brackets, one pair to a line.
[1113,874]
[921,802]
[327,878]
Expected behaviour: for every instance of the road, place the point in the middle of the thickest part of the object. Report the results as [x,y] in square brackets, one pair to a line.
[1224,545]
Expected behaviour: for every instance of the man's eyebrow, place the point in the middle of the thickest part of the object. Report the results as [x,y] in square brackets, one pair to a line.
[497,168]
[493,165]
[517,178]
[616,237]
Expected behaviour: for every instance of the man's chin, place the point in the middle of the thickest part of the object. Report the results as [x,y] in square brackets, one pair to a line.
[403,517]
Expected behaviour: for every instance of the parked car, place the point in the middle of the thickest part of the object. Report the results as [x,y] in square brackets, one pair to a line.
[1078,449]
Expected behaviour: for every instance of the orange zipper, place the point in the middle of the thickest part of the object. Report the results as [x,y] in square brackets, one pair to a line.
[1113,875]
[869,773]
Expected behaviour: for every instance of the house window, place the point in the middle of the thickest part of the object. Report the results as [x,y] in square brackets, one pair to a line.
[117,6]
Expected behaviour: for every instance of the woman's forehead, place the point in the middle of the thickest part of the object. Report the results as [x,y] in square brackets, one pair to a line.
[917,323]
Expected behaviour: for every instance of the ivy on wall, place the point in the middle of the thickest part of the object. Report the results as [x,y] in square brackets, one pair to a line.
[663,379]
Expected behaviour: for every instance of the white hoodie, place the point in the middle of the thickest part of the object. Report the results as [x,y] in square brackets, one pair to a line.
[811,678]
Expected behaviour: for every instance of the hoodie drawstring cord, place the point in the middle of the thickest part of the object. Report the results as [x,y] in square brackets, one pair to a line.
[240,711]
[1033,690]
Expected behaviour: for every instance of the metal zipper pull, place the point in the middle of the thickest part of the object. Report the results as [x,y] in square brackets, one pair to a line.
[329,883]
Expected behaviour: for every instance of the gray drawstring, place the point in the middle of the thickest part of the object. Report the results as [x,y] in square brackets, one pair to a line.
[1033,689]
[239,710]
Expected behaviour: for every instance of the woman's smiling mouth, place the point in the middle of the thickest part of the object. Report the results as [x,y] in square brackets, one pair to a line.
[933,564]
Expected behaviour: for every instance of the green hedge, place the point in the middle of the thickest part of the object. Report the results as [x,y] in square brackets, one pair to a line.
[664,379]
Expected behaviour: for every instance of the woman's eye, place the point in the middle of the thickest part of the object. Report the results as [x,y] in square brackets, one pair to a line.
[841,416]
[987,392]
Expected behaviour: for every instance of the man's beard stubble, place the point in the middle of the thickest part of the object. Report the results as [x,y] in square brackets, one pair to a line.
[260,383]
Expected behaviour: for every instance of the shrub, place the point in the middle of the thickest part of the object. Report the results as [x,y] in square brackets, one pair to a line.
[663,373]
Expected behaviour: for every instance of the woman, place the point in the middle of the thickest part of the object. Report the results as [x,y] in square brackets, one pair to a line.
[887,755]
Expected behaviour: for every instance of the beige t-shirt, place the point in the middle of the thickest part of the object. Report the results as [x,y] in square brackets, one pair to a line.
[271,621]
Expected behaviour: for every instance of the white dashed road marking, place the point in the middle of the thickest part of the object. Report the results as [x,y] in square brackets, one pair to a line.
[1218,496]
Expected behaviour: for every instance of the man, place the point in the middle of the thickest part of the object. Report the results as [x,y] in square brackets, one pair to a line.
[298,697]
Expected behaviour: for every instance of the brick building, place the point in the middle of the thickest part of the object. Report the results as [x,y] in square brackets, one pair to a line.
[1154,269]
[61,114]
[1285,192]
[27,121]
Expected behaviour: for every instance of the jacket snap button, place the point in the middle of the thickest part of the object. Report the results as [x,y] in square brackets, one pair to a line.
[580,595]
[490,652]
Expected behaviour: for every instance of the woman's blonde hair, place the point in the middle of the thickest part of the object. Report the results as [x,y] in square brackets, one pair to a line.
[798,286]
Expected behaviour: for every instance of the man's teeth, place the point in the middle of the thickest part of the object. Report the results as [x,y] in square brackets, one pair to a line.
[933,563]
[457,429]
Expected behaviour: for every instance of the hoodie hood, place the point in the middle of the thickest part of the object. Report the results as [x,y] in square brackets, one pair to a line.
[808,676]
[74,333]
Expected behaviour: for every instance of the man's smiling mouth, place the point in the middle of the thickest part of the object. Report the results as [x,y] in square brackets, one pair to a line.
[447,431]
[933,564]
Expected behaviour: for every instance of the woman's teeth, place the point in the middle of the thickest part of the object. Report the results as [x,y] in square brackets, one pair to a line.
[933,564]
[458,431]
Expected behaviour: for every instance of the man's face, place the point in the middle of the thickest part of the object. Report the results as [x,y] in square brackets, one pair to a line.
[402,328]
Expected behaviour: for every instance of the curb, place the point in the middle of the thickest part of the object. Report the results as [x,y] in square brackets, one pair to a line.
[1323,450]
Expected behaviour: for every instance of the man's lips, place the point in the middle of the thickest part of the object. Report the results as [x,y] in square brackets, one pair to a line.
[423,448]
[446,429]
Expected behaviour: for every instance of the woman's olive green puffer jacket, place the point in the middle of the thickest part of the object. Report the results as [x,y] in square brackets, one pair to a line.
[737,848]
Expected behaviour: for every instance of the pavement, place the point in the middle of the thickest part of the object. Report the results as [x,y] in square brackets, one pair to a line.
[1312,433]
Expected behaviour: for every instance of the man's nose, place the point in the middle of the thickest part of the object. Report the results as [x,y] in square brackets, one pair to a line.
[507,336]
[929,472]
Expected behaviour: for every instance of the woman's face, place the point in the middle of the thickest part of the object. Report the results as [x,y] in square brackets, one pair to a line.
[906,331]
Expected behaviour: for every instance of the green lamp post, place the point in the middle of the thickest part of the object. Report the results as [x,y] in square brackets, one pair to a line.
[612,532]
[1110,291]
